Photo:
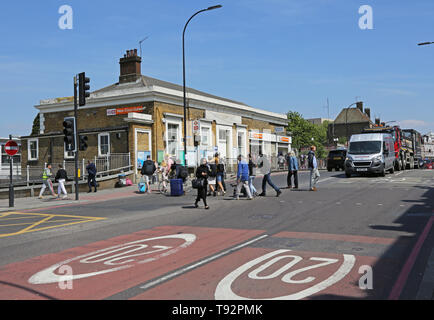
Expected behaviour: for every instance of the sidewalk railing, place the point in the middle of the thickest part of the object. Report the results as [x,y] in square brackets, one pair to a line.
[106,165]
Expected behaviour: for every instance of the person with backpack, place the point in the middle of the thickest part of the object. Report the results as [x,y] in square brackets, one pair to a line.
[61,178]
[313,167]
[243,178]
[212,177]
[265,166]
[147,172]
[91,175]
[202,174]
[292,171]
[46,182]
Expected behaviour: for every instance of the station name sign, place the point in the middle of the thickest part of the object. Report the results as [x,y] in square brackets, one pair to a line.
[126,110]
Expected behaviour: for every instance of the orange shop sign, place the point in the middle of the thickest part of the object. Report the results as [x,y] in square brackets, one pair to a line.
[126,110]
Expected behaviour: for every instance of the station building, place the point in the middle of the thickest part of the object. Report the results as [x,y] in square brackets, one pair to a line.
[142,116]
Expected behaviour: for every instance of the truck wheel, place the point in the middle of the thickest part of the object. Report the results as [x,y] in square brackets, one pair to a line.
[348,175]
[397,165]
[412,163]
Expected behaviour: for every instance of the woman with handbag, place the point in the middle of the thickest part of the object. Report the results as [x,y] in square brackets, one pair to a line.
[202,174]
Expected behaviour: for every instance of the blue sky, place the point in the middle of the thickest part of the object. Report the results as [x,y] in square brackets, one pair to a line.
[277,55]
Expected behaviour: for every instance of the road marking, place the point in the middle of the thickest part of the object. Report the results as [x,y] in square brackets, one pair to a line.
[48,276]
[405,272]
[200,263]
[43,219]
[224,291]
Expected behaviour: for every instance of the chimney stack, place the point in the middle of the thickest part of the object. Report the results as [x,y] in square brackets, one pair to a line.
[360,106]
[130,67]
[377,121]
[368,112]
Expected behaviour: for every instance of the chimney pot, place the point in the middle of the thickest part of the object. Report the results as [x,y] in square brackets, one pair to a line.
[130,67]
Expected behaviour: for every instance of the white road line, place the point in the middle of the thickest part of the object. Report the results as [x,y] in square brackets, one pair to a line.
[202,262]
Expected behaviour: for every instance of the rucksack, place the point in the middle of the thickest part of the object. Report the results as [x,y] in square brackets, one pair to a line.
[310,160]
[213,170]
[183,172]
[148,168]
[220,167]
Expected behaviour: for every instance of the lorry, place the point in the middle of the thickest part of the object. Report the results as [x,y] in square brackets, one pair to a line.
[370,153]
[407,145]
[412,147]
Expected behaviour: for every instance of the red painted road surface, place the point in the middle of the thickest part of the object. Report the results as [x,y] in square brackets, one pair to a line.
[111,266]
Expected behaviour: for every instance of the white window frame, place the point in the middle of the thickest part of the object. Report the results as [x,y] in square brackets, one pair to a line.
[246,141]
[99,144]
[177,122]
[209,136]
[29,153]
[231,143]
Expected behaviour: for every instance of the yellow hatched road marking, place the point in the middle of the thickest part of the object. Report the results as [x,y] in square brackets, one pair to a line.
[46,219]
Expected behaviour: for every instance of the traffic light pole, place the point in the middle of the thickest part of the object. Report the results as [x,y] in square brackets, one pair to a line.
[11,182]
[76,138]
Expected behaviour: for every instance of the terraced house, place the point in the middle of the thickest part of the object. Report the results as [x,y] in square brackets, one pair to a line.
[140,115]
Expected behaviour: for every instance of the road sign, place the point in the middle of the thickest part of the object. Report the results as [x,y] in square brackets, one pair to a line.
[196,126]
[11,148]
[279,129]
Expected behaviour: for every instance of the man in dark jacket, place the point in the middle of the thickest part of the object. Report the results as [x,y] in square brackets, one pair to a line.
[202,173]
[91,172]
[147,171]
[61,178]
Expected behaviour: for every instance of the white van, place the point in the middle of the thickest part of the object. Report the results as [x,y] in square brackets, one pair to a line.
[370,153]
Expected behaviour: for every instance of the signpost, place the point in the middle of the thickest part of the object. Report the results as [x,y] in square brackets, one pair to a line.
[11,149]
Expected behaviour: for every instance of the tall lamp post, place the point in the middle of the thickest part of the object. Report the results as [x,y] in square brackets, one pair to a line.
[425,43]
[346,120]
[183,77]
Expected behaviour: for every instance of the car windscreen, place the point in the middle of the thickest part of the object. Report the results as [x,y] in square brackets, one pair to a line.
[365,147]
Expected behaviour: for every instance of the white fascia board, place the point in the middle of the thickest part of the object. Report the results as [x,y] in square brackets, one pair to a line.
[210,100]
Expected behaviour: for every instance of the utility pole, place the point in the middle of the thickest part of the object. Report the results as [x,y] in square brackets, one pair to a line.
[76,139]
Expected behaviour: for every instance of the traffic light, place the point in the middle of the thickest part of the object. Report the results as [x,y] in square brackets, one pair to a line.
[69,132]
[83,88]
[82,143]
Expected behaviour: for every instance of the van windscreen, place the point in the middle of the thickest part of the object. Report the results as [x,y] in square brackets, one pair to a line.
[365,147]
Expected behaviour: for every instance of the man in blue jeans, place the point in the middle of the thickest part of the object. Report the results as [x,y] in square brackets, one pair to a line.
[265,166]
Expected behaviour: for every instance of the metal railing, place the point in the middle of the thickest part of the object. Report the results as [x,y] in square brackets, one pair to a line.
[107,165]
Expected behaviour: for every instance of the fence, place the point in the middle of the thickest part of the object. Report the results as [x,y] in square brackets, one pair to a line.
[107,165]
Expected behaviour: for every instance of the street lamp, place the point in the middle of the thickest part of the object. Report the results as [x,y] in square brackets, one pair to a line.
[425,43]
[183,77]
[346,120]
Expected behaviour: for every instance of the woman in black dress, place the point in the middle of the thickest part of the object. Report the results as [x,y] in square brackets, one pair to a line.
[202,172]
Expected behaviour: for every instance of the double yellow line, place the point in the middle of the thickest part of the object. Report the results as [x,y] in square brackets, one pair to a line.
[44,219]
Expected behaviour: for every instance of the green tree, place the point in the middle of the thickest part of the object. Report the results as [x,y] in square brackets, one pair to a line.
[303,131]
[36,125]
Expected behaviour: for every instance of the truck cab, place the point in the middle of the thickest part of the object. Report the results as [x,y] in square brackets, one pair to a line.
[370,153]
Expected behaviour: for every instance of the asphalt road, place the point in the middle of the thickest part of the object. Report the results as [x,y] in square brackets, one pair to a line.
[357,238]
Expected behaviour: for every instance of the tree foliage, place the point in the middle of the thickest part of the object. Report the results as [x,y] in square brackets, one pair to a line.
[303,131]
[36,125]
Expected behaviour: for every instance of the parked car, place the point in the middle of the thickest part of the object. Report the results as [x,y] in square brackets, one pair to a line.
[336,159]
[428,164]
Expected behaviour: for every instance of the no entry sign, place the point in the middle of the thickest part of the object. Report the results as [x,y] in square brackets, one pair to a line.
[11,148]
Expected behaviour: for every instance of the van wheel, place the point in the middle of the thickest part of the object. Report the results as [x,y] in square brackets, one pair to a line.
[383,172]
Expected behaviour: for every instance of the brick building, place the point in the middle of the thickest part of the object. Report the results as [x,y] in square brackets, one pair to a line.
[350,121]
[140,115]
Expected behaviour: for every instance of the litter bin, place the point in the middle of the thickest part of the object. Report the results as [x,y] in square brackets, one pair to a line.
[176,187]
